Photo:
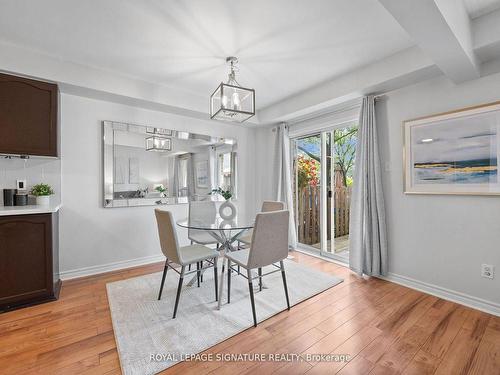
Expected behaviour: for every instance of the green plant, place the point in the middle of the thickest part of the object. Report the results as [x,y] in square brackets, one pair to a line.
[226,194]
[41,190]
[160,189]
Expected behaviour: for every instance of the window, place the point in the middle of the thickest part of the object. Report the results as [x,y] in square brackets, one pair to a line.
[183,177]
[225,169]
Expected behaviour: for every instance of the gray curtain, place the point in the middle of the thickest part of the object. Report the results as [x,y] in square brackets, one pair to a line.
[367,237]
[284,183]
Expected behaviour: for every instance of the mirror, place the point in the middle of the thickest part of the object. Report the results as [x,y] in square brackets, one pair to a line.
[146,166]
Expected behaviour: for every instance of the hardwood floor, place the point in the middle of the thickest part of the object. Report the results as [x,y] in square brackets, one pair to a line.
[384,328]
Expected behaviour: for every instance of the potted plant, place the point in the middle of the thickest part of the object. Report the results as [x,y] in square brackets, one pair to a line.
[227,210]
[42,192]
[162,190]
[226,194]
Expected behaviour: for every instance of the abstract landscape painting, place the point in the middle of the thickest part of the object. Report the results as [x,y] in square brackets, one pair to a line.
[454,153]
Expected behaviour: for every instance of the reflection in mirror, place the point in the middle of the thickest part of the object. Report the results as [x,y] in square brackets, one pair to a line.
[146,165]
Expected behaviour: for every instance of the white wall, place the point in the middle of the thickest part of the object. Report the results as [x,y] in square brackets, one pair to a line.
[433,239]
[92,236]
[34,171]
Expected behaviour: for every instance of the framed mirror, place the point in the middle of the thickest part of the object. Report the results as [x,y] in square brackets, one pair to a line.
[147,166]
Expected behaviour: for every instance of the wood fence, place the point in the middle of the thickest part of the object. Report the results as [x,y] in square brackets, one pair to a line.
[308,213]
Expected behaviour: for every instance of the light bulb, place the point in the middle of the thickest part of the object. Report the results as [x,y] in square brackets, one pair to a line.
[224,101]
[235,99]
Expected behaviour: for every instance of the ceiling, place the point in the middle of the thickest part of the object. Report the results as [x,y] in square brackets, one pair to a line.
[477,8]
[183,44]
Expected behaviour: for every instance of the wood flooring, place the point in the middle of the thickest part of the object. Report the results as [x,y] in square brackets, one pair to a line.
[385,329]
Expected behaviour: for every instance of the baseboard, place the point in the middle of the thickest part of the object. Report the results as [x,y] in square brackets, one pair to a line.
[447,294]
[115,266]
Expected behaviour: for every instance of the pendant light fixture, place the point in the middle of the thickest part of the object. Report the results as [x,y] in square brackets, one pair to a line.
[160,144]
[230,101]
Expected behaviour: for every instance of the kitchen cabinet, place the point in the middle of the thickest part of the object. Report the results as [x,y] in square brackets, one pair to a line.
[29,264]
[28,117]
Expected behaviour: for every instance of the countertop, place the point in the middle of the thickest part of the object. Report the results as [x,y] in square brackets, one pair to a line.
[27,210]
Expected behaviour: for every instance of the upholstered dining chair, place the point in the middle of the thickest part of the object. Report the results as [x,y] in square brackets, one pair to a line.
[267,206]
[182,256]
[204,211]
[269,246]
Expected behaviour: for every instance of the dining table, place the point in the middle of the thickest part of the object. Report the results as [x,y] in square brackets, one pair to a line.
[225,232]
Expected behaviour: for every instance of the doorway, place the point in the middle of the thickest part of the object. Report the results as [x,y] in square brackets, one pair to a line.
[323,165]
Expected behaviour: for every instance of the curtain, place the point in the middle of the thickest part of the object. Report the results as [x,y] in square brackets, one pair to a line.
[367,227]
[184,182]
[284,183]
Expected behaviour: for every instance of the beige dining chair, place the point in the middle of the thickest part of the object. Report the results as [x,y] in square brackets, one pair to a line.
[182,255]
[267,206]
[269,246]
[204,211]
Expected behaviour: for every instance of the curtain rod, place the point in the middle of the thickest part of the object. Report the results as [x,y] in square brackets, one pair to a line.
[376,97]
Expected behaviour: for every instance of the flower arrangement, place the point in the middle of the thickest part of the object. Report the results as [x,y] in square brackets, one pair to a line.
[40,190]
[307,171]
[226,194]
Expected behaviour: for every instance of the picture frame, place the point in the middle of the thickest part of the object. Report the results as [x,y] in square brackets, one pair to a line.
[454,153]
[202,174]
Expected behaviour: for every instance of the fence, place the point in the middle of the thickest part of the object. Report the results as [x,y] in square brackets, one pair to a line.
[308,213]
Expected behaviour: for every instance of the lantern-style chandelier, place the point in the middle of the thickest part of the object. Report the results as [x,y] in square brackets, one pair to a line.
[160,144]
[230,101]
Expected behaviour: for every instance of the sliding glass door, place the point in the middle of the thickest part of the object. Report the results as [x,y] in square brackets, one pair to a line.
[307,190]
[323,176]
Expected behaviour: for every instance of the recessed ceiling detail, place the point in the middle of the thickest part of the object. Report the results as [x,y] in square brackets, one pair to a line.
[477,8]
[183,44]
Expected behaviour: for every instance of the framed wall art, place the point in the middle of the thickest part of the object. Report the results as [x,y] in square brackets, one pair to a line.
[454,152]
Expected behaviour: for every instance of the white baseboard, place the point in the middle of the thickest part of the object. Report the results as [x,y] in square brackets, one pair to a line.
[115,266]
[447,294]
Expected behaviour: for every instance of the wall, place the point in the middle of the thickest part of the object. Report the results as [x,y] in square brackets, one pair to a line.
[94,239]
[34,171]
[438,242]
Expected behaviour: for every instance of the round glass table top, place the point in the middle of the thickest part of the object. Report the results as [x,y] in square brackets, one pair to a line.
[240,222]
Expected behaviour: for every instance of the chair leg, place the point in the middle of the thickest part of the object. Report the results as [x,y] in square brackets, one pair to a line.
[284,283]
[189,267]
[229,271]
[260,279]
[216,281]
[239,270]
[201,273]
[179,287]
[198,273]
[221,285]
[252,301]
[163,279]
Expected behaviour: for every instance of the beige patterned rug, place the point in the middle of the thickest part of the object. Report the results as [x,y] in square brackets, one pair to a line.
[149,340]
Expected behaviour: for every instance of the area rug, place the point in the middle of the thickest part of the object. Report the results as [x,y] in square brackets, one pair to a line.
[149,340]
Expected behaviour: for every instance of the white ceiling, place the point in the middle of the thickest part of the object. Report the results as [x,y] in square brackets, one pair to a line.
[284,46]
[477,8]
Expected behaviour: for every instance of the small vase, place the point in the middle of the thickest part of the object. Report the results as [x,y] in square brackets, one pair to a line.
[227,210]
[43,200]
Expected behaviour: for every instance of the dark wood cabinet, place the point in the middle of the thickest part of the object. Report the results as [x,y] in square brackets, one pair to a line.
[28,116]
[29,264]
